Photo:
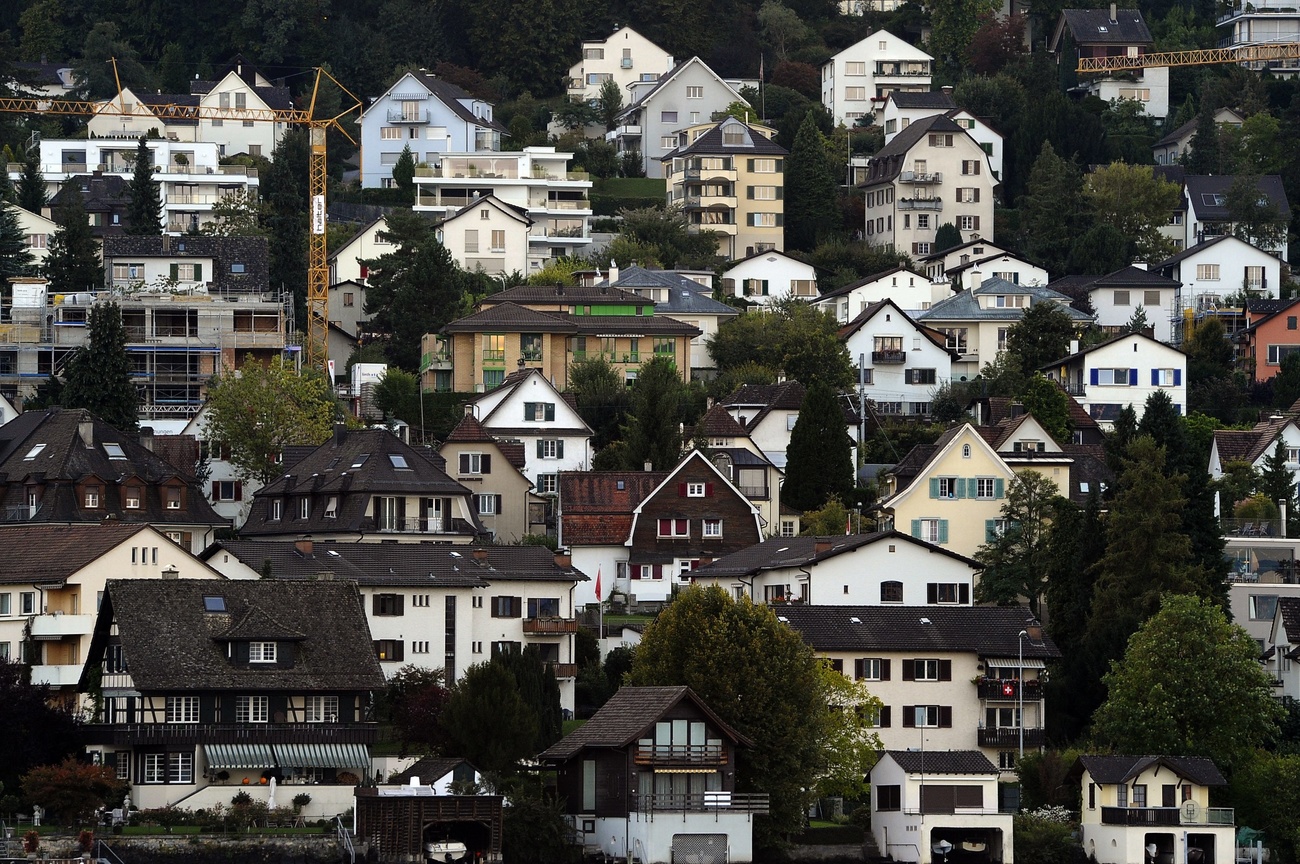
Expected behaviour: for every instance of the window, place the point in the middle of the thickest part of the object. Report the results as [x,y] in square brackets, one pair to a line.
[668,142]
[322,709]
[762,220]
[538,411]
[787,527]
[674,528]
[925,716]
[694,92]
[1262,607]
[475,463]
[250,709]
[6,604]
[304,508]
[1007,760]
[277,510]
[489,505]
[968,223]
[668,117]
[132,497]
[855,94]
[261,652]
[889,798]
[930,530]
[548,484]
[970,167]
[1255,279]
[550,448]
[947,487]
[34,452]
[695,490]
[389,650]
[498,239]
[762,193]
[398,461]
[925,670]
[1207,272]
[1111,376]
[891,592]
[986,488]
[941,140]
[921,376]
[712,527]
[507,607]
[182,709]
[471,240]
[922,221]
[763,166]
[27,603]
[945,592]
[387,604]
[969,195]
[332,507]
[390,133]
[154,768]
[855,68]
[92,497]
[1166,377]
[868,669]
[1139,795]
[1150,298]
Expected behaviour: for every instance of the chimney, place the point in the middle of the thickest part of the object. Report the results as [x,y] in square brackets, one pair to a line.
[480,555]
[563,560]
[303,545]
[171,572]
[1034,631]
[146,437]
[86,429]
[340,432]
[613,271]
[821,546]
[1114,14]
[469,409]
[649,466]
[947,89]
[976,278]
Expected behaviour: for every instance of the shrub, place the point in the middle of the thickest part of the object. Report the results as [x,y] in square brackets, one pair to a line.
[301,800]
[241,799]
[1046,841]
[31,841]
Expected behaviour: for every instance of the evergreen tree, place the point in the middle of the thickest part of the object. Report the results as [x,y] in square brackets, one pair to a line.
[404,171]
[652,434]
[1051,212]
[537,685]
[285,189]
[1121,435]
[818,463]
[144,212]
[1137,322]
[1101,249]
[1015,560]
[15,256]
[947,236]
[811,215]
[73,261]
[1204,156]
[1049,404]
[1209,352]
[99,374]
[31,185]
[1278,484]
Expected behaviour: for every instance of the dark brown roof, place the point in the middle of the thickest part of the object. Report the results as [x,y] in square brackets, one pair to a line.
[1096,27]
[779,553]
[624,719]
[596,506]
[990,631]
[564,295]
[711,142]
[36,553]
[174,645]
[931,99]
[888,161]
[511,316]
[1235,445]
[1119,769]
[718,423]
[1131,276]
[429,770]
[942,761]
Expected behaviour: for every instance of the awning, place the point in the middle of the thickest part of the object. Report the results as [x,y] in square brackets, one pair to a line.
[1015,663]
[323,756]
[227,757]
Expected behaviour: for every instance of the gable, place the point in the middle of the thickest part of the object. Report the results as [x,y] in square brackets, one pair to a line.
[674,488]
[948,461]
[1029,429]
[509,411]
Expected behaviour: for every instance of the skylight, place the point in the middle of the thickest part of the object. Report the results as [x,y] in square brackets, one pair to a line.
[214,604]
[34,452]
[114,450]
[361,460]
[398,461]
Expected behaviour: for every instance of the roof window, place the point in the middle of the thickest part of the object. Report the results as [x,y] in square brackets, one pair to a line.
[361,460]
[398,461]
[114,450]
[34,452]
[214,604]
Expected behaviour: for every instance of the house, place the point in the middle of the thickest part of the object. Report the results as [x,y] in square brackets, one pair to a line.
[440,773]
[1117,297]
[915,660]
[594,522]
[1267,22]
[1208,214]
[104,198]
[733,452]
[906,288]
[1006,266]
[902,362]
[1269,338]
[857,81]
[729,177]
[1122,822]
[769,411]
[240,87]
[624,57]
[1084,33]
[130,115]
[347,311]
[365,485]
[494,471]
[36,230]
[884,567]
[433,605]
[1170,149]
[65,466]
[192,264]
[44,78]
[904,107]
[770,275]
[932,173]
[1122,371]
[1253,447]
[1254,596]
[549,327]
[532,188]
[205,685]
[1282,646]
[936,264]
[1214,271]
[956,789]
[977,321]
[655,751]
[369,242]
[52,582]
[528,411]
[686,95]
[989,139]
[678,297]
[431,116]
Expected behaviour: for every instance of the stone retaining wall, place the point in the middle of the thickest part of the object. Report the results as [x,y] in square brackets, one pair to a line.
[199,848]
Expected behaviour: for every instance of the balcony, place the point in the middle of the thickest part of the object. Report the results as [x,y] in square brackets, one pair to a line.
[1010,689]
[1150,817]
[564,670]
[494,355]
[397,115]
[57,625]
[935,204]
[57,676]
[1251,527]
[137,734]
[1008,736]
[920,177]
[681,754]
[888,357]
[430,525]
[550,626]
[754,493]
[706,802]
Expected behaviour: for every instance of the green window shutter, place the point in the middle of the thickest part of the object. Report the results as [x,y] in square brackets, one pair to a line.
[549,411]
[749,192]
[943,530]
[540,448]
[559,449]
[198,272]
[934,488]
[999,488]
[961,487]
[973,487]
[990,530]
[175,272]
[916,528]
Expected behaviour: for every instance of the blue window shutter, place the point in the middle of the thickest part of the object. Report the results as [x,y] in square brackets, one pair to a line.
[916,528]
[943,530]
[999,488]
[990,530]
[1093,376]
[1178,377]
[1132,377]
[934,489]
[1155,377]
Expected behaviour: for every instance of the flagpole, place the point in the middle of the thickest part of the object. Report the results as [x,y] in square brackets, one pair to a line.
[600,605]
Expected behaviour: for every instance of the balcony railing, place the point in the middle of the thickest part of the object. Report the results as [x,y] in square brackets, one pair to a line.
[920,204]
[888,356]
[550,626]
[1007,736]
[564,670]
[1009,688]
[754,492]
[397,115]
[706,802]
[137,734]
[56,625]
[920,177]
[1251,527]
[429,525]
[1166,816]
[494,355]
[681,754]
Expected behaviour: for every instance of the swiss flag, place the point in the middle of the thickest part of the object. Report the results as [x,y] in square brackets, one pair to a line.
[1008,689]
[598,594]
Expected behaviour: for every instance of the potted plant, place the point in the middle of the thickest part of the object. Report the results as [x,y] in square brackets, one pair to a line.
[301,800]
[32,843]
[86,841]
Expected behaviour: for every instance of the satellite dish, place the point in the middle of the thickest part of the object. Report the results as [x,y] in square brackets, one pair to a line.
[1191,812]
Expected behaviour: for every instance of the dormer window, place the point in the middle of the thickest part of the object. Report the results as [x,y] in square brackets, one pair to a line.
[261,652]
[131,500]
[172,495]
[277,510]
[304,508]
[91,497]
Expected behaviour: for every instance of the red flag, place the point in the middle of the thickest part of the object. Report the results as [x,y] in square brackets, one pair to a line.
[598,597]
[848,524]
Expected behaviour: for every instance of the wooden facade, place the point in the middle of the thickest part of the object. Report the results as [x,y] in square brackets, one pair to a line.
[398,826]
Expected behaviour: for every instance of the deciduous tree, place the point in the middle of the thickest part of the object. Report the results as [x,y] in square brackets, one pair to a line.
[790,337]
[98,376]
[72,790]
[1041,335]
[413,703]
[488,721]
[1045,399]
[818,462]
[602,398]
[236,214]
[41,734]
[1137,202]
[609,103]
[1015,556]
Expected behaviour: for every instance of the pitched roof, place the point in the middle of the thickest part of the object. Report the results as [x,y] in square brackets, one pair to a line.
[870,312]
[930,99]
[1118,337]
[965,306]
[450,95]
[511,315]
[1120,769]
[1134,276]
[468,430]
[628,714]
[1289,608]
[717,422]
[1205,192]
[990,631]
[781,553]
[875,277]
[712,142]
[563,296]
[1189,128]
[685,296]
[429,770]
[944,253]
[39,553]
[596,506]
[888,161]
[942,761]
[1095,26]
[176,645]
[666,78]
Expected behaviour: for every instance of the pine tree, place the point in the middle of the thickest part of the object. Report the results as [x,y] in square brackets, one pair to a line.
[1204,156]
[818,463]
[15,256]
[31,185]
[947,236]
[1052,210]
[73,261]
[144,212]
[810,212]
[1137,322]
[1278,483]
[652,434]
[99,374]
[404,170]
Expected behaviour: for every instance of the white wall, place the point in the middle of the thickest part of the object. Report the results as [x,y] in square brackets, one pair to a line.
[889,382]
[780,273]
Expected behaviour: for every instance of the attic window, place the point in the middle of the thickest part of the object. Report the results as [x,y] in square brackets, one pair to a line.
[398,461]
[34,452]
[361,460]
[114,450]
[620,484]
[214,604]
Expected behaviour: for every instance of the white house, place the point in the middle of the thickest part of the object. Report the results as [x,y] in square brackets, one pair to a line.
[1117,296]
[624,57]
[937,264]
[909,290]
[492,236]
[1208,215]
[903,362]
[1122,371]
[905,107]
[1266,22]
[1112,32]
[36,231]
[429,115]
[1006,266]
[1169,149]
[985,135]
[771,275]
[769,411]
[1213,271]
[366,244]
[527,408]
[1254,447]
[927,804]
[857,81]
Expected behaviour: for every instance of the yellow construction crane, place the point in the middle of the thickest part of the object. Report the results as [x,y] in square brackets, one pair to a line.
[317,253]
[1260,53]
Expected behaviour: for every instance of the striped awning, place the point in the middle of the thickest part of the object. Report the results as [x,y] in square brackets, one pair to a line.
[226,757]
[323,756]
[1014,662]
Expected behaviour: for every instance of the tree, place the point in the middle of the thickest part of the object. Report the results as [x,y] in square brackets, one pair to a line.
[996,44]
[652,433]
[259,410]
[1041,335]
[413,704]
[1049,404]
[404,171]
[236,214]
[1255,217]
[1190,684]
[1276,481]
[953,27]
[602,398]
[31,184]
[1101,249]
[758,676]
[832,518]
[810,211]
[15,256]
[1137,322]
[525,42]
[41,733]
[789,337]
[666,234]
[535,682]
[72,790]
[1137,202]
[98,376]
[1209,352]
[1266,793]
[73,261]
[1015,557]
[1204,156]
[1052,210]
[487,720]
[947,236]
[95,74]
[849,746]
[818,463]
[144,212]
[1260,149]
[781,27]
[609,103]
[284,189]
